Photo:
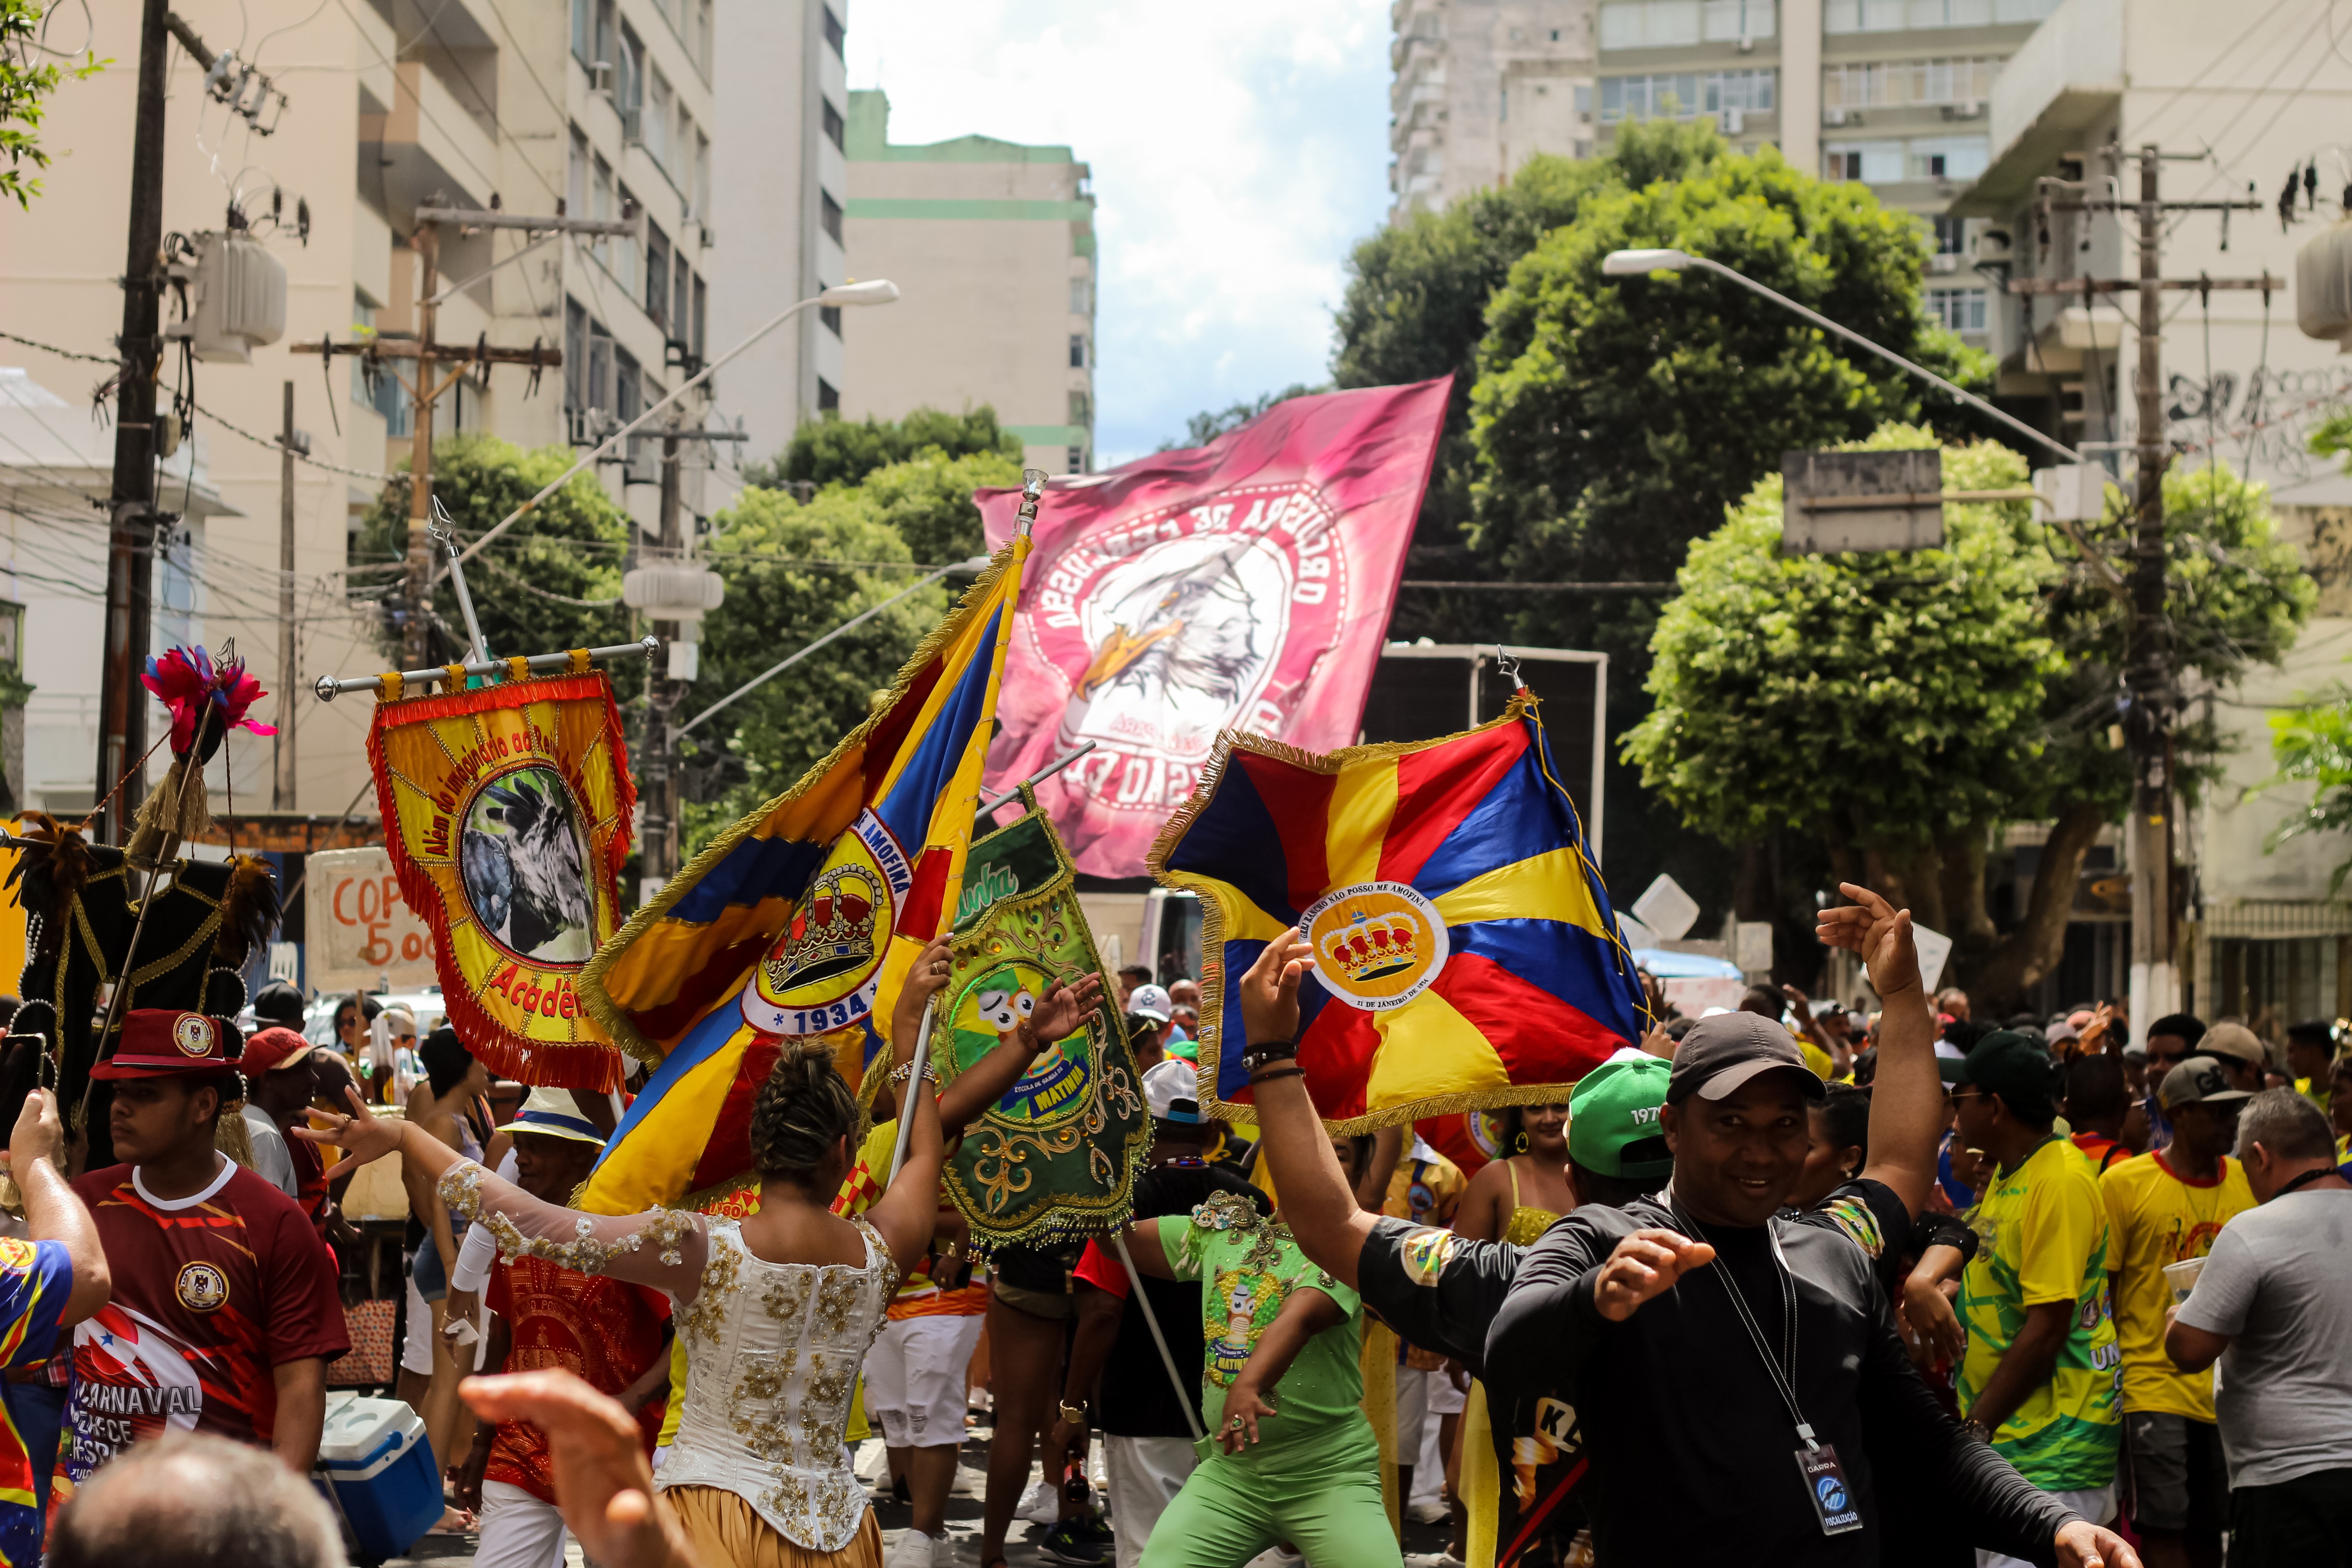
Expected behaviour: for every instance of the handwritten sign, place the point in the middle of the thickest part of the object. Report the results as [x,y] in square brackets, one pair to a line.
[360,930]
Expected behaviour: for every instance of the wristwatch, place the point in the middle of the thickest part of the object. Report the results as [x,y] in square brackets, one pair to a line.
[1076,1415]
[1977,1429]
[1265,1055]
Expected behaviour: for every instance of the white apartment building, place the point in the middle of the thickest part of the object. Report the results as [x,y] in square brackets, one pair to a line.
[596,106]
[1479,87]
[779,184]
[2251,96]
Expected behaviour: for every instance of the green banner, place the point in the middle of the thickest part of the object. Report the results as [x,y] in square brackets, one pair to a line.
[1057,1155]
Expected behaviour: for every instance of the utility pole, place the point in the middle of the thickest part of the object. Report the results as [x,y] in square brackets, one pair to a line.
[290,441]
[424,392]
[130,505]
[2150,674]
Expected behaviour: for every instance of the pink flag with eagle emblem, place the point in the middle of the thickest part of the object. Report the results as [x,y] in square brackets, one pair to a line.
[1244,585]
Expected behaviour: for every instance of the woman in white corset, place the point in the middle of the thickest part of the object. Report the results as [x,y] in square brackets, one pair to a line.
[776,1309]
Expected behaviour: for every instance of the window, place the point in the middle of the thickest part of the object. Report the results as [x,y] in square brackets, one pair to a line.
[702,175]
[1950,158]
[629,84]
[1685,94]
[1679,24]
[1960,309]
[575,177]
[1886,84]
[598,388]
[584,31]
[624,249]
[606,54]
[1077,456]
[833,125]
[1081,408]
[681,299]
[1077,351]
[575,357]
[1082,296]
[828,396]
[698,35]
[1891,15]
[832,41]
[600,206]
[657,277]
[660,104]
[829,213]
[1749,91]
[1876,163]
[1951,235]
[829,316]
[1584,100]
[701,320]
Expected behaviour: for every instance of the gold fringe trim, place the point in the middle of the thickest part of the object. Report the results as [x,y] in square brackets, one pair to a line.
[591,984]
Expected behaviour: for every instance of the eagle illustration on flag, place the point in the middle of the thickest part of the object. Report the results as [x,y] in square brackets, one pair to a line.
[1466,952]
[801,921]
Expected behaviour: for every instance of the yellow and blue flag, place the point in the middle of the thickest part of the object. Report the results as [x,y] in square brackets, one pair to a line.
[801,921]
[1465,954]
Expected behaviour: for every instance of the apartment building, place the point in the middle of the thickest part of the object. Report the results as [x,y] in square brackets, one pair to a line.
[1891,93]
[596,106]
[993,246]
[1479,87]
[779,186]
[2243,102]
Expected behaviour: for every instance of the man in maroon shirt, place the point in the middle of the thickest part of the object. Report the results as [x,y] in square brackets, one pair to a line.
[224,1312]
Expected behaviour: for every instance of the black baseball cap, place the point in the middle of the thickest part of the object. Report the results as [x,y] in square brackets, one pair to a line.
[1723,1052]
[2007,1063]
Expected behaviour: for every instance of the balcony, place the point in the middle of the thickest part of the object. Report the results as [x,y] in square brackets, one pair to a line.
[424,144]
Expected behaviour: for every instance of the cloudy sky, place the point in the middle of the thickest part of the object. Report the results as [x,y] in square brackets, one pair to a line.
[1238,147]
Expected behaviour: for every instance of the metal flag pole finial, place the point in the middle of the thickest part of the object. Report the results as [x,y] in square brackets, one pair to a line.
[443,531]
[1032,486]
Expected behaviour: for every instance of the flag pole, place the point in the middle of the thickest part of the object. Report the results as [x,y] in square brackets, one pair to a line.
[1184,1396]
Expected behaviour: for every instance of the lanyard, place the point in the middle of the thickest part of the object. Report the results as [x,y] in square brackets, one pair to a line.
[1748,1320]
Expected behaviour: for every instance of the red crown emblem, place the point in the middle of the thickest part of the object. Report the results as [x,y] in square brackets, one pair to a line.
[831,932]
[1369,947]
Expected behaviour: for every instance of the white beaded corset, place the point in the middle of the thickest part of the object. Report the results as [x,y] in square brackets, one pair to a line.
[773,1351]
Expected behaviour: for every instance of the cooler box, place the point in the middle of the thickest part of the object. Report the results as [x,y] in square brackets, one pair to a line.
[374,1461]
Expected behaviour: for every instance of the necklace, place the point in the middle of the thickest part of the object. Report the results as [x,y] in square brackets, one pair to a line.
[2321,1174]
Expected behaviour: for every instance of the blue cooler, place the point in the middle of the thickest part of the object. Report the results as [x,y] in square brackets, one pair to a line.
[378,1471]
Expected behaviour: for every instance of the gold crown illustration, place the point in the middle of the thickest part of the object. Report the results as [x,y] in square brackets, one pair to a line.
[833,932]
[1371,946]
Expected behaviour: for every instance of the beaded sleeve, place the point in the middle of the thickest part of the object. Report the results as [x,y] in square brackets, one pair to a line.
[662,1248]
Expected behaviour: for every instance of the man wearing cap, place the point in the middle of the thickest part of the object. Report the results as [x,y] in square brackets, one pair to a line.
[2240,1053]
[1148,1450]
[2039,1379]
[608,1332]
[279,1086]
[1151,1004]
[225,1307]
[2167,1208]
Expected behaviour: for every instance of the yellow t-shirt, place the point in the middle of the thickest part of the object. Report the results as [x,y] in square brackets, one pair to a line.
[1817,1059]
[2159,1218]
[1426,1189]
[919,1295]
[2043,1238]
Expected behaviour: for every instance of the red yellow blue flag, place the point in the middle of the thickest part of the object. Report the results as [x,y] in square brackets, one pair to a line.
[800,920]
[1466,952]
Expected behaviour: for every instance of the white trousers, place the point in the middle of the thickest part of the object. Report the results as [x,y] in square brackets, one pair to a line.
[517,1530]
[914,1380]
[2097,1506]
[1144,1475]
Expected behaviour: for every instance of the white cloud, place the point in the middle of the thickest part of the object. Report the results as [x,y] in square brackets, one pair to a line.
[1239,147]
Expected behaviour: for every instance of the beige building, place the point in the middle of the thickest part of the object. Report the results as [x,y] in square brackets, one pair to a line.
[603,106]
[993,246]
[1480,86]
[778,182]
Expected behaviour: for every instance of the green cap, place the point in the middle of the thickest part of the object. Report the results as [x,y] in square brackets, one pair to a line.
[2012,1065]
[1616,1108]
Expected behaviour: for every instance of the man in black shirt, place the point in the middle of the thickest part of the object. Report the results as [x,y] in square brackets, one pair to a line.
[1148,1429]
[1663,1494]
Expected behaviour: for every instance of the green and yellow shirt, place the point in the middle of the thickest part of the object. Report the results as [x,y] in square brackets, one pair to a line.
[2043,1236]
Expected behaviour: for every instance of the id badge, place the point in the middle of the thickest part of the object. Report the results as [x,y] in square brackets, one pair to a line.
[1825,1487]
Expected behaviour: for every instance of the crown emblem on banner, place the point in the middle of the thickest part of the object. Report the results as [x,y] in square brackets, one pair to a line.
[1371,946]
[831,932]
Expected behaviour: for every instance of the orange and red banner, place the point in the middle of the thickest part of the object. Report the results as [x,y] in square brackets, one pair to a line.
[507,814]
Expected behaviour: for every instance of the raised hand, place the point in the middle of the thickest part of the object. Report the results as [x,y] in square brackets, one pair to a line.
[1270,989]
[38,1135]
[1645,1265]
[1880,933]
[365,1135]
[1063,1010]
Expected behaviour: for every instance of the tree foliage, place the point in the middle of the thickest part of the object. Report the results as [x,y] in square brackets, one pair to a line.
[836,451]
[1899,705]
[552,581]
[2311,743]
[1210,422]
[24,88]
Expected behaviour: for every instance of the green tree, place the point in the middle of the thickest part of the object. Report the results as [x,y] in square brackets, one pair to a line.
[552,581]
[2312,745]
[1897,707]
[831,450]
[24,88]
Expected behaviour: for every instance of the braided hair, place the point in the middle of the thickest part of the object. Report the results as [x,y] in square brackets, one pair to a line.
[803,1111]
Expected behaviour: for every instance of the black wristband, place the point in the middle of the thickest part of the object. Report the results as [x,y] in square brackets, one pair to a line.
[1267,1052]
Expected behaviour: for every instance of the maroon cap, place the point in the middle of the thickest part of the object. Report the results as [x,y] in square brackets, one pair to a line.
[267,1050]
[157,1042]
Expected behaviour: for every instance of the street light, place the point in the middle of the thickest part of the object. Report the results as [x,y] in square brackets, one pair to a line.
[873,291]
[1630,263]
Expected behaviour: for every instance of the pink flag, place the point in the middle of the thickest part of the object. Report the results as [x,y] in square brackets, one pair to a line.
[1244,585]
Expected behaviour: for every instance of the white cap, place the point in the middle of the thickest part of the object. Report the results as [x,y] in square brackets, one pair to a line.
[1151,1001]
[1172,1091]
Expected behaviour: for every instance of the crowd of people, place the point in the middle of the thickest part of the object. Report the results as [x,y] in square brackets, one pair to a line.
[2018,1294]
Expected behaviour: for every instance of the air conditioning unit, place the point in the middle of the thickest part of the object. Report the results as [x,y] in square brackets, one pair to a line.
[237,297]
[1731,122]
[1992,245]
[1833,117]
[1943,263]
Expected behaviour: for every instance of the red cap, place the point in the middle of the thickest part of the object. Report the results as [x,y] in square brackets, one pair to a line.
[267,1050]
[157,1042]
